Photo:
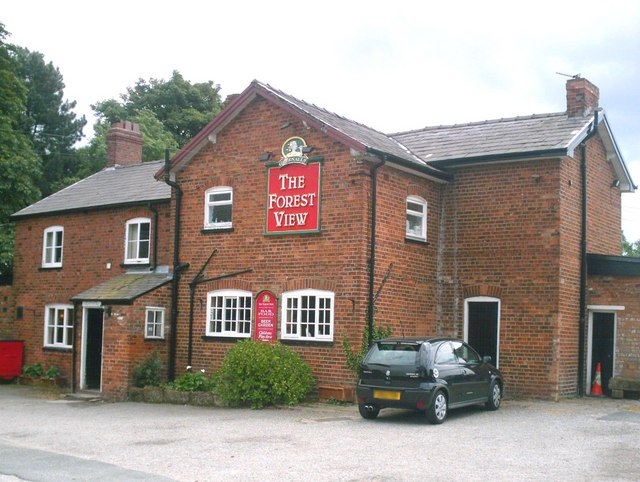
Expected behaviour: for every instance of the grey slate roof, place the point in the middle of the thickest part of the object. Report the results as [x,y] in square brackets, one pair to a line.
[125,288]
[511,136]
[109,187]
[367,136]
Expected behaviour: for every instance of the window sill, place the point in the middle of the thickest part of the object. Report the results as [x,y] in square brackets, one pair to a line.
[318,343]
[153,339]
[50,268]
[225,339]
[216,230]
[58,349]
[424,242]
[135,265]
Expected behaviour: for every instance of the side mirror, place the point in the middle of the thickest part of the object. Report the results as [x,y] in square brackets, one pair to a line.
[486,359]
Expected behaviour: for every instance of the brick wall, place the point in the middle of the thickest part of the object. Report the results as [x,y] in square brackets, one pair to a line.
[7,312]
[92,240]
[621,291]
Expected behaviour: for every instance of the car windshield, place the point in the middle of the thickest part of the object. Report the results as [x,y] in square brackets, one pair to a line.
[390,354]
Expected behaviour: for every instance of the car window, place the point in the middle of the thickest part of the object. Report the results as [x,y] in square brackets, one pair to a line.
[445,355]
[465,353]
[394,354]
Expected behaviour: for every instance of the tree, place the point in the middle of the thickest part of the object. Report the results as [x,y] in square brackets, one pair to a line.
[49,120]
[630,248]
[20,166]
[181,107]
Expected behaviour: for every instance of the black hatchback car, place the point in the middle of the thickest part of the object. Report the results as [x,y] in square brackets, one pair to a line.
[427,374]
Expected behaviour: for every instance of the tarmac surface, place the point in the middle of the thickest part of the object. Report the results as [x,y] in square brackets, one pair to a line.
[43,438]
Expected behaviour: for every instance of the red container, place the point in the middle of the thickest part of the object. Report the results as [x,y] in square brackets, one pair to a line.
[10,359]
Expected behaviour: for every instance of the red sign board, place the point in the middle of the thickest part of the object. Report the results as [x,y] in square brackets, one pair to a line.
[266,312]
[293,198]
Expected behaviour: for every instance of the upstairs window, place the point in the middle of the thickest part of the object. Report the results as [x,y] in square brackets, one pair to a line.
[52,247]
[58,326]
[218,204]
[137,243]
[154,324]
[307,315]
[416,218]
[229,313]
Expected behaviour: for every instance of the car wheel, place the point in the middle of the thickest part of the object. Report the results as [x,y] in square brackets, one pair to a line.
[437,411]
[495,396]
[368,411]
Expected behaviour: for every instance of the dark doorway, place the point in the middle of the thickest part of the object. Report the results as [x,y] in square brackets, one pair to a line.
[93,349]
[602,339]
[482,328]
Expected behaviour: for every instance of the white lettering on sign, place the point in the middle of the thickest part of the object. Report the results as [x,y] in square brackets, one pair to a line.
[291,219]
[291,200]
[291,182]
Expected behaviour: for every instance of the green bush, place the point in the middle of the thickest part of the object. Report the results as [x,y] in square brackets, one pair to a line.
[32,371]
[52,373]
[257,374]
[354,359]
[149,372]
[191,381]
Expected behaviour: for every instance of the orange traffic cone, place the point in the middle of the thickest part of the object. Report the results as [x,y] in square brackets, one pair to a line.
[596,388]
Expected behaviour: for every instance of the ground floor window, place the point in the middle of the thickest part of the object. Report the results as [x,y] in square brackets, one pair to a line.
[307,315]
[154,324]
[229,313]
[58,321]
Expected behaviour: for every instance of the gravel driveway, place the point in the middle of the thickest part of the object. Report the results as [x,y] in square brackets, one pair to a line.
[582,439]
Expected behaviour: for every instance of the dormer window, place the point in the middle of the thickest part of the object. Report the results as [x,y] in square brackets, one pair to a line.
[137,245]
[416,218]
[52,247]
[218,204]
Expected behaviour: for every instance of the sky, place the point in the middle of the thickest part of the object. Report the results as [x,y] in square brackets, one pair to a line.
[393,66]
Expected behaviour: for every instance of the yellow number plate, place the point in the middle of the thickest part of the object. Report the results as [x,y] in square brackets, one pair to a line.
[386,395]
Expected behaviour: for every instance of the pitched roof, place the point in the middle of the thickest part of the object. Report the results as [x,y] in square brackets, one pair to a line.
[354,135]
[518,135]
[108,188]
[125,288]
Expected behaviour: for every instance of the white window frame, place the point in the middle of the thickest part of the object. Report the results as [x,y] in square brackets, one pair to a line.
[208,205]
[157,327]
[50,246]
[53,324]
[293,312]
[134,258]
[230,318]
[423,215]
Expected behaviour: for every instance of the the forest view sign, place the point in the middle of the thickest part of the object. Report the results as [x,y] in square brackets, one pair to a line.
[293,191]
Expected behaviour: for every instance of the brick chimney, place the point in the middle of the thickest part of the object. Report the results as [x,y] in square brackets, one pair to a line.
[582,97]
[124,144]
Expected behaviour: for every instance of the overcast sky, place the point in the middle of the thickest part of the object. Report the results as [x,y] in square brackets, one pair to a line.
[390,65]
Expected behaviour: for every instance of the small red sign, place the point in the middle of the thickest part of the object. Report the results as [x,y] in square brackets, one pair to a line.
[266,312]
[293,198]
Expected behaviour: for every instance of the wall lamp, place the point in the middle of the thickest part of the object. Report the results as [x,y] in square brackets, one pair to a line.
[616,183]
[265,156]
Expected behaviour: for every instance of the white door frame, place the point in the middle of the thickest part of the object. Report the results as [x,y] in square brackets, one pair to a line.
[86,306]
[466,321]
[600,309]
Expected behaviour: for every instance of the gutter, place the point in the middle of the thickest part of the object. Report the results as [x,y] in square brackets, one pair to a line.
[583,257]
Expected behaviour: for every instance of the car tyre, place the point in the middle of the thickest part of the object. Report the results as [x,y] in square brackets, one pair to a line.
[368,414]
[495,396]
[437,411]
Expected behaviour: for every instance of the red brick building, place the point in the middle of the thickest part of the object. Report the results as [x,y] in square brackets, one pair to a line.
[478,230]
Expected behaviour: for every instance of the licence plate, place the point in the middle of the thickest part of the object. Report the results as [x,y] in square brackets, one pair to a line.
[386,395]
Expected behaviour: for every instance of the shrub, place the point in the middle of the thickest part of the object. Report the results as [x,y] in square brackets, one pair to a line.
[191,381]
[32,371]
[354,359]
[52,373]
[257,374]
[148,373]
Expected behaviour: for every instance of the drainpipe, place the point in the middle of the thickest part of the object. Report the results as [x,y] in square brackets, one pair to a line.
[372,248]
[154,262]
[74,350]
[583,256]
[177,267]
